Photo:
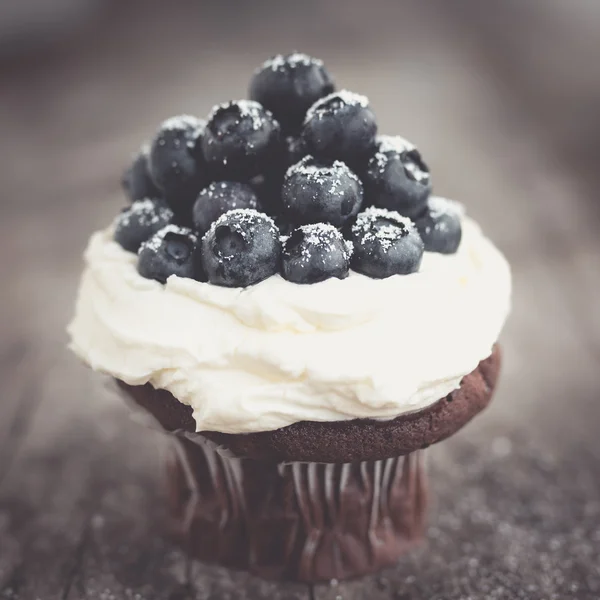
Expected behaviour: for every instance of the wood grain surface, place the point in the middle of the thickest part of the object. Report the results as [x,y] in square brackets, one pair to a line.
[503,102]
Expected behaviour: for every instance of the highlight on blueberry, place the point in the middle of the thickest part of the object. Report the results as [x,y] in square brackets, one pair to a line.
[440,227]
[175,161]
[316,192]
[340,126]
[168,252]
[289,85]
[217,199]
[241,248]
[136,181]
[396,177]
[140,221]
[314,253]
[241,140]
[385,244]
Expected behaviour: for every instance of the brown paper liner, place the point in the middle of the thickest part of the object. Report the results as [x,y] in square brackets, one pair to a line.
[304,522]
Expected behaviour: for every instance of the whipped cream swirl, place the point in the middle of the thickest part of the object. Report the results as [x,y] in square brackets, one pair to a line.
[275,353]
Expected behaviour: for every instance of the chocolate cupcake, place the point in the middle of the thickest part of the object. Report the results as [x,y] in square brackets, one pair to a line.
[304,347]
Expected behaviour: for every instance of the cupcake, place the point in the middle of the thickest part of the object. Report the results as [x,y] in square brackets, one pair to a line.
[288,299]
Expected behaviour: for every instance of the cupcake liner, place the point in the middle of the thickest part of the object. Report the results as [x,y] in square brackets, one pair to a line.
[295,521]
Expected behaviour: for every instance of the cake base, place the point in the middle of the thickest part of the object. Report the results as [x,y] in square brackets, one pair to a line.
[305,522]
[312,501]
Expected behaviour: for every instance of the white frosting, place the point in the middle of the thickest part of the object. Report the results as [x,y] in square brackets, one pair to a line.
[266,356]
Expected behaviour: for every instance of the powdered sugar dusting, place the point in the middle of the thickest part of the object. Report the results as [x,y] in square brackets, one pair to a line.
[415,168]
[241,219]
[381,160]
[394,143]
[391,148]
[147,212]
[254,110]
[323,174]
[438,206]
[155,242]
[343,97]
[368,227]
[326,237]
[280,61]
[215,189]
[248,109]
[181,122]
[349,248]
[231,192]
[192,127]
[441,216]
[322,238]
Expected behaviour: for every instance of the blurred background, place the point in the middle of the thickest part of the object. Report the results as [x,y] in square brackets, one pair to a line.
[502,98]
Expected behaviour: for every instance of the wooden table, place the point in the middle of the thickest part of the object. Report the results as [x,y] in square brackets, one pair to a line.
[482,91]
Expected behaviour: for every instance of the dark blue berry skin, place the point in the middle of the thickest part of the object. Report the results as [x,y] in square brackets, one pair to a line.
[315,253]
[314,192]
[294,151]
[340,126]
[168,252]
[285,227]
[268,187]
[241,248]
[141,221]
[136,181]
[176,163]
[440,227]
[288,86]
[385,244]
[396,178]
[268,192]
[217,199]
[241,140]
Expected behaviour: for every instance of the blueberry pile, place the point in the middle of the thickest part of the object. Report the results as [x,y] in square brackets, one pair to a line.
[293,181]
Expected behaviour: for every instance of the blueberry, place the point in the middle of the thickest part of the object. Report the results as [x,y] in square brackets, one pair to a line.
[340,126]
[294,150]
[217,199]
[241,248]
[289,85]
[396,177]
[268,187]
[285,228]
[440,226]
[268,192]
[140,221]
[168,252]
[176,163]
[315,192]
[136,181]
[242,139]
[385,244]
[314,253]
